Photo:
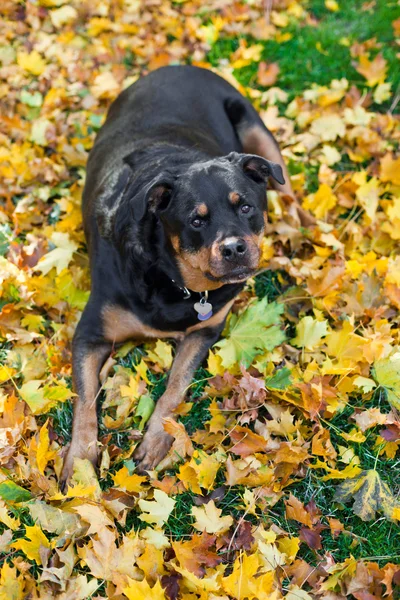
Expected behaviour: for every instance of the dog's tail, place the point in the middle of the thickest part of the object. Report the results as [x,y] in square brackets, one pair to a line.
[255,137]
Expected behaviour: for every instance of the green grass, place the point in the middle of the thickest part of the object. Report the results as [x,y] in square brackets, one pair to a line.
[300,61]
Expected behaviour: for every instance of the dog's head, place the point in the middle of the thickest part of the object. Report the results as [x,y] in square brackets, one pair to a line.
[212,216]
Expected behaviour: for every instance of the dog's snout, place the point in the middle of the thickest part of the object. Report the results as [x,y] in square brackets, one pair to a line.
[233,249]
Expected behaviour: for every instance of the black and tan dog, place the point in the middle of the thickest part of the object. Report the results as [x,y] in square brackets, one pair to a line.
[174,205]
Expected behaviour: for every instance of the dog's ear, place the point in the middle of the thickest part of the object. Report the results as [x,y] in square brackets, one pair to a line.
[151,196]
[257,168]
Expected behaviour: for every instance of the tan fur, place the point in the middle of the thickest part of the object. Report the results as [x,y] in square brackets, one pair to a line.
[84,430]
[234,197]
[175,242]
[193,266]
[202,210]
[120,325]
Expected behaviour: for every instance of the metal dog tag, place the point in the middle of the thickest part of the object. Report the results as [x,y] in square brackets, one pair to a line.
[203,308]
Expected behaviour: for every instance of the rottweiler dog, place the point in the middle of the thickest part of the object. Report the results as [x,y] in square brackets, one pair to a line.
[174,211]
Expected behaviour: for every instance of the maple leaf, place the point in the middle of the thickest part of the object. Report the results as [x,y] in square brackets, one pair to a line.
[195,554]
[11,585]
[242,583]
[310,332]
[12,492]
[140,590]
[158,509]
[370,494]
[253,332]
[246,441]
[6,519]
[209,519]
[321,202]
[34,544]
[43,452]
[267,74]
[328,128]
[129,482]
[386,373]
[31,62]
[54,519]
[374,70]
[61,256]
[161,354]
[390,169]
[295,510]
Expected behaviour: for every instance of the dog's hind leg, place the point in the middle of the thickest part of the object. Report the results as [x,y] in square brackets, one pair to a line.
[255,138]
[88,358]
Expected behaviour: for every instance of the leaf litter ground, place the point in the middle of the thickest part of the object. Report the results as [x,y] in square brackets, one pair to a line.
[283,477]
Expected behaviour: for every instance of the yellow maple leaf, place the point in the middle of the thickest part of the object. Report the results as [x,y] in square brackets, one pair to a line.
[289,546]
[390,169]
[370,495]
[5,517]
[140,590]
[188,476]
[351,470]
[32,543]
[11,586]
[368,196]
[206,467]
[31,62]
[374,70]
[161,354]
[328,127]
[131,391]
[214,364]
[130,483]
[354,436]
[208,518]
[321,202]
[158,510]
[61,256]
[310,332]
[43,452]
[241,583]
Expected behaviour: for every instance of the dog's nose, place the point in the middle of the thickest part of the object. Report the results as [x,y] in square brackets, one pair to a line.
[233,249]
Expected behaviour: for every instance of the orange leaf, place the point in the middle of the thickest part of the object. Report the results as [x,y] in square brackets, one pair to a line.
[246,442]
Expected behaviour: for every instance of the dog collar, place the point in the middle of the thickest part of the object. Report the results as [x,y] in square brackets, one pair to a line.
[203,308]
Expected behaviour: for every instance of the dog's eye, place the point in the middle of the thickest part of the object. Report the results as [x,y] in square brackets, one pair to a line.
[197,222]
[245,208]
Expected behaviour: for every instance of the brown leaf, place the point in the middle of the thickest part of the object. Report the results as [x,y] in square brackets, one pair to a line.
[195,555]
[295,510]
[267,74]
[246,442]
[311,537]
[170,583]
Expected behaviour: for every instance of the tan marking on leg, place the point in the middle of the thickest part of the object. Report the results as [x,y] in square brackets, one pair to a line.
[234,197]
[157,441]
[202,210]
[84,428]
[120,324]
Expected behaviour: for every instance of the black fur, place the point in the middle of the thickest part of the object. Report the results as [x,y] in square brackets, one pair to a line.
[170,142]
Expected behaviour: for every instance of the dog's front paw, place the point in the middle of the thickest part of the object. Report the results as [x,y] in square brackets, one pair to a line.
[76,450]
[152,449]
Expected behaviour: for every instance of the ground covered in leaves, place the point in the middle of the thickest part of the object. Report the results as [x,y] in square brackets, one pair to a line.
[283,480]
